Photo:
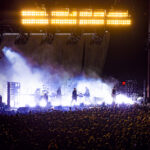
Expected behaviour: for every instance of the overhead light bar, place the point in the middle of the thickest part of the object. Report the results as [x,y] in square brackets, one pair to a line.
[74,17]
[118,14]
[99,14]
[118,22]
[85,14]
[60,13]
[63,21]
[35,21]
[34,13]
[63,13]
[91,22]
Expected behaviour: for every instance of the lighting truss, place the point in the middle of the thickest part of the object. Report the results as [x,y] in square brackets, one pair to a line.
[63,21]
[73,38]
[118,14]
[33,13]
[96,39]
[22,38]
[35,21]
[118,22]
[48,38]
[91,22]
[76,17]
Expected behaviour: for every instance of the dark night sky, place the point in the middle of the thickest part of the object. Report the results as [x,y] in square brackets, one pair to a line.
[127,57]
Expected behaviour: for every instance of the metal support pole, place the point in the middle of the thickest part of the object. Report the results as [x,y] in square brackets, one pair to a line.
[148,65]
[8,94]
[148,73]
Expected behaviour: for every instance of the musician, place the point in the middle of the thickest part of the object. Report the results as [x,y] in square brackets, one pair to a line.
[87,92]
[37,94]
[74,94]
[45,96]
[114,93]
[59,92]
[0,99]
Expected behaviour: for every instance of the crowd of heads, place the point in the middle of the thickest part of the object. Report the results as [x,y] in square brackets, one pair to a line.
[107,128]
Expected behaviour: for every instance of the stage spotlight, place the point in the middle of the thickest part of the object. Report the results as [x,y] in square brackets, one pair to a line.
[48,38]
[73,38]
[96,39]
[43,103]
[22,38]
[123,83]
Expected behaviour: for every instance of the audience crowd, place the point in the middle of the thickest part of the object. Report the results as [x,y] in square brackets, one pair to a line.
[101,128]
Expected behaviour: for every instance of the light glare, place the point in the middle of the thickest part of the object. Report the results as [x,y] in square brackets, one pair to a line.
[123,99]
[43,103]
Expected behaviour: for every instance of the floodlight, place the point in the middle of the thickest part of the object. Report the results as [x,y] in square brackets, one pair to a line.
[99,14]
[34,13]
[91,22]
[118,22]
[60,13]
[118,14]
[35,21]
[85,14]
[43,103]
[80,17]
[63,21]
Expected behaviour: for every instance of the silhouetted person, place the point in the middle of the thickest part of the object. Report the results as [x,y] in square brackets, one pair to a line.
[87,92]
[46,97]
[59,92]
[114,94]
[2,105]
[74,94]
[0,99]
[37,94]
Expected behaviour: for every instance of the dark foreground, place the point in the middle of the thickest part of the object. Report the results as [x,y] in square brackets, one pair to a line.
[102,128]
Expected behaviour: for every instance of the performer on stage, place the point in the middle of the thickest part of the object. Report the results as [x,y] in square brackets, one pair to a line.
[0,99]
[74,94]
[37,94]
[87,92]
[114,94]
[59,92]
[45,96]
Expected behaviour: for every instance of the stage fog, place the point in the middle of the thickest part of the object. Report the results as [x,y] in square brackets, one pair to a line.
[66,63]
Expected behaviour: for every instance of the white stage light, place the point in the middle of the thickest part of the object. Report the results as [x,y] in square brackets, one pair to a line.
[123,99]
[43,103]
